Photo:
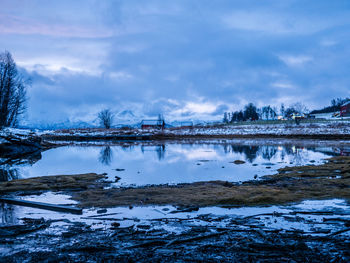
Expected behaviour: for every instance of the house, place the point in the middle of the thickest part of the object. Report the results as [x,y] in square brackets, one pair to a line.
[345,110]
[153,124]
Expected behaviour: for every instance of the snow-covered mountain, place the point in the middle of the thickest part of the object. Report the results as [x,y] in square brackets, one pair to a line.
[67,124]
[126,117]
[122,118]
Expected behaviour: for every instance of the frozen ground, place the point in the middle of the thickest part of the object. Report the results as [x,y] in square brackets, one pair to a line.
[336,129]
[311,231]
[333,128]
[340,128]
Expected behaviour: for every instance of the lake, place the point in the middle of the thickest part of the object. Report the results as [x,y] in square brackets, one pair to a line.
[146,163]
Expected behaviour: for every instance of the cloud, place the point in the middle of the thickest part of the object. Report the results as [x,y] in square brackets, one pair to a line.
[24,26]
[295,60]
[184,59]
[283,85]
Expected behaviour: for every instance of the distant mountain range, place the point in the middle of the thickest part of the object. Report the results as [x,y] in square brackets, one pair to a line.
[121,119]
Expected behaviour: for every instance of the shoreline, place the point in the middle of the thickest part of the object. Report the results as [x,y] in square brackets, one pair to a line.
[110,235]
[290,184]
[165,137]
[307,131]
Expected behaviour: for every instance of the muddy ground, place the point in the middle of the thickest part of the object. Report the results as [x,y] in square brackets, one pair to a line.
[204,238]
[290,184]
[241,239]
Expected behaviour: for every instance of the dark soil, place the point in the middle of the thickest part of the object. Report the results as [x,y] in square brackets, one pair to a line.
[240,240]
[216,239]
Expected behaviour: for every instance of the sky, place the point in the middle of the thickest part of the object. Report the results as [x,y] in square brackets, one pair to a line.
[185,59]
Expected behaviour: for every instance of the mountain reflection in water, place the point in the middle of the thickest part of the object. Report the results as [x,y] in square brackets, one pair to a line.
[162,163]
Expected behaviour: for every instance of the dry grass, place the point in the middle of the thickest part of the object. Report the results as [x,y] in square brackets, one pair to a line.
[290,184]
[299,184]
[55,183]
[215,193]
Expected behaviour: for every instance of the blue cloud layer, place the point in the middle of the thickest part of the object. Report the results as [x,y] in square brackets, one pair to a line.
[185,59]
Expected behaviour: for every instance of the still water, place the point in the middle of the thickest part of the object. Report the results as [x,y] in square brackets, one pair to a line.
[171,163]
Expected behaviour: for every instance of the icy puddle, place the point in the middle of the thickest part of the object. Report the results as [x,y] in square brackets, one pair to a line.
[317,217]
[173,163]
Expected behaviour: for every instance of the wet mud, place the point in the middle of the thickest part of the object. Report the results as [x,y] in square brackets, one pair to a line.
[218,239]
[290,184]
[204,237]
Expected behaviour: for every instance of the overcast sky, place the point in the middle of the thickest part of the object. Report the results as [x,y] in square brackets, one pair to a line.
[182,58]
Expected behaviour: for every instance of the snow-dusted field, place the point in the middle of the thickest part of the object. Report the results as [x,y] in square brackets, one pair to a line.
[333,128]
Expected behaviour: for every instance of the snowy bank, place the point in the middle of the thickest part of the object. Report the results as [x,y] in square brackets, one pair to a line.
[321,130]
[328,128]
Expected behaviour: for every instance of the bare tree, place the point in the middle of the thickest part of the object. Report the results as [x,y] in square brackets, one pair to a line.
[106,118]
[12,91]
[300,108]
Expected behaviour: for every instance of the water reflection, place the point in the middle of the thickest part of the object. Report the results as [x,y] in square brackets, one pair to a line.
[343,151]
[9,167]
[158,149]
[8,173]
[162,163]
[106,156]
[250,152]
[8,214]
[106,153]
[267,152]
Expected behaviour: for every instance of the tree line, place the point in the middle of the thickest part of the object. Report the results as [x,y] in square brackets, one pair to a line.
[253,113]
[335,106]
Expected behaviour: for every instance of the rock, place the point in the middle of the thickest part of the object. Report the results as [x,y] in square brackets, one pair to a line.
[119,169]
[238,162]
[185,209]
[115,224]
